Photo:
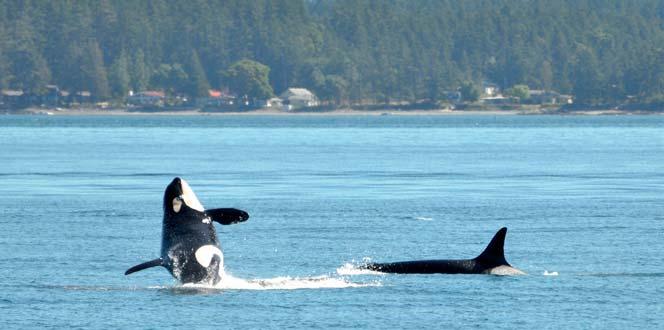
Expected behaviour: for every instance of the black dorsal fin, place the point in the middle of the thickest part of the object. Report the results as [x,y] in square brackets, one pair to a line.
[494,254]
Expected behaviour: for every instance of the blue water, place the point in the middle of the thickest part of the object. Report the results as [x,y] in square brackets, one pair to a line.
[583,198]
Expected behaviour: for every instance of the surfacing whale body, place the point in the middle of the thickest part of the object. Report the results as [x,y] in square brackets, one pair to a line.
[189,246]
[491,261]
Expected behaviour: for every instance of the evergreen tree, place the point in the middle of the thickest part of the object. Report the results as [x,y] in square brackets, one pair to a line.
[94,72]
[199,85]
[469,92]
[140,73]
[336,89]
[588,79]
[119,76]
[170,77]
[29,69]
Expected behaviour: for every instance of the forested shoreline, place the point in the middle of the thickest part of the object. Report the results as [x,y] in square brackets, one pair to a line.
[346,51]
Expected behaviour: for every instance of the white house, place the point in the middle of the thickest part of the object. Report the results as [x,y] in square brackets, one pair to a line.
[489,88]
[295,98]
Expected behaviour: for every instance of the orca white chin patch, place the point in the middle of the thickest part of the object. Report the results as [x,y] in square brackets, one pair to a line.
[205,253]
[190,198]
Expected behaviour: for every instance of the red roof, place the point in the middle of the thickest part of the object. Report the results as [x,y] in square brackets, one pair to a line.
[214,93]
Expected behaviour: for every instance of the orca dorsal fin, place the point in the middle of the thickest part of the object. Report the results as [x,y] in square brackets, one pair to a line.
[494,253]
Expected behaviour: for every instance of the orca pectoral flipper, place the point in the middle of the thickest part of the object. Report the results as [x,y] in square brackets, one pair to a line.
[227,216]
[149,264]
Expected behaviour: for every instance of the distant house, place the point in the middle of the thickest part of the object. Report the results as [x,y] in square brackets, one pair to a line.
[12,98]
[52,97]
[565,99]
[216,99]
[296,98]
[499,100]
[65,96]
[538,96]
[147,98]
[489,89]
[81,97]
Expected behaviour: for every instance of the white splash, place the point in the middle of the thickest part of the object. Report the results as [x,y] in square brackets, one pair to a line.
[352,269]
[289,283]
[547,273]
[230,282]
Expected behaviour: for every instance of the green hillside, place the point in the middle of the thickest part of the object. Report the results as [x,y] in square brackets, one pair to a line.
[346,51]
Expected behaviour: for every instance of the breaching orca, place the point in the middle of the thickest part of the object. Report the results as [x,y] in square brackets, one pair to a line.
[491,261]
[189,246]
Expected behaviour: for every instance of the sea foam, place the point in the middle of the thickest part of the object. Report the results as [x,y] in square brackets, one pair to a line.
[230,282]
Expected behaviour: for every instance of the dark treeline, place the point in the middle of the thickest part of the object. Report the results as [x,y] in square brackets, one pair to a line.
[347,51]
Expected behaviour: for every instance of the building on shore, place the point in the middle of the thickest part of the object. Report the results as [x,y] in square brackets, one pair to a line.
[11,99]
[146,98]
[216,99]
[296,98]
[538,96]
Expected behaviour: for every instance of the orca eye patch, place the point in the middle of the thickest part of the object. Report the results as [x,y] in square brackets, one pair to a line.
[177,204]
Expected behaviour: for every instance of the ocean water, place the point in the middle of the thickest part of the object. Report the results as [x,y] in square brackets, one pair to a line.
[583,198]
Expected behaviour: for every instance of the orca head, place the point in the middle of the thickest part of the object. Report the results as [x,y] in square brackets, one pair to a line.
[179,197]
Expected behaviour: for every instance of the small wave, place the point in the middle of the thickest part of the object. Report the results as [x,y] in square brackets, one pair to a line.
[423,218]
[418,218]
[624,274]
[548,273]
[95,288]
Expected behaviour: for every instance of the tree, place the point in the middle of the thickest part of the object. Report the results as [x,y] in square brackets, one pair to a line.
[469,92]
[546,75]
[119,76]
[4,72]
[198,82]
[5,75]
[520,91]
[250,78]
[170,77]
[95,76]
[588,79]
[335,89]
[140,73]
[29,70]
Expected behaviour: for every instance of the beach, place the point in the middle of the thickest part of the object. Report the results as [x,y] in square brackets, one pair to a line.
[337,112]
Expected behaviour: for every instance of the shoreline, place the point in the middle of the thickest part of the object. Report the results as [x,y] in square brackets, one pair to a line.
[340,112]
